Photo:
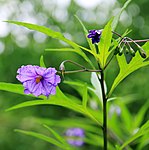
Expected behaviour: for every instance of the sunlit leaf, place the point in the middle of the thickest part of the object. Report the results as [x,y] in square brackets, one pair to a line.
[104,44]
[53,34]
[67,50]
[15,88]
[60,100]
[125,69]
[42,64]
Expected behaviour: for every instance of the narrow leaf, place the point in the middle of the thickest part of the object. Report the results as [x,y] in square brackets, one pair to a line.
[140,115]
[69,122]
[14,88]
[53,34]
[68,50]
[57,136]
[92,46]
[60,100]
[42,137]
[143,130]
[85,96]
[117,17]
[42,64]
[104,44]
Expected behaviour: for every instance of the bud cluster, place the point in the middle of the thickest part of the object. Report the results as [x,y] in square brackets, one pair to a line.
[125,46]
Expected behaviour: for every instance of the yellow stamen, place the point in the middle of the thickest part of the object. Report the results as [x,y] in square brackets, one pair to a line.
[38,79]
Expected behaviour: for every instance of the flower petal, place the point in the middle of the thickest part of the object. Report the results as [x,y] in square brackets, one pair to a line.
[47,83]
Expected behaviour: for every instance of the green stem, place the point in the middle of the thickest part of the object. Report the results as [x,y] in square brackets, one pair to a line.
[104,111]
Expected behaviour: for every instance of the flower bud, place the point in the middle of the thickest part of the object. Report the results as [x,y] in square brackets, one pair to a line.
[127,50]
[62,68]
[132,52]
[121,51]
[142,52]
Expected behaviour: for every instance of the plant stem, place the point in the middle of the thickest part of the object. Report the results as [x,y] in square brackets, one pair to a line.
[104,111]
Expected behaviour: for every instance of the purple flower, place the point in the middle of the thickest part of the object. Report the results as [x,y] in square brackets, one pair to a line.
[94,35]
[38,80]
[75,136]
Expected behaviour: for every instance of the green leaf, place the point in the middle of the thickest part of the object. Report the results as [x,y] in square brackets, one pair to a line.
[85,96]
[144,130]
[43,137]
[126,117]
[53,34]
[117,147]
[14,88]
[82,89]
[42,64]
[68,50]
[117,17]
[57,136]
[92,46]
[125,69]
[60,100]
[143,142]
[81,122]
[140,115]
[104,44]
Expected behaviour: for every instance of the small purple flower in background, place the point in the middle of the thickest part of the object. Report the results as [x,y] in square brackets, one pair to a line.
[75,136]
[94,35]
[114,109]
[38,80]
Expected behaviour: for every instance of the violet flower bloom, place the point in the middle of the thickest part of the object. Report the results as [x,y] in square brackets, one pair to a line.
[75,136]
[94,35]
[38,80]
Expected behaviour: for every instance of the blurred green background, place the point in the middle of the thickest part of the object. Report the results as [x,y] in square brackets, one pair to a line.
[20,46]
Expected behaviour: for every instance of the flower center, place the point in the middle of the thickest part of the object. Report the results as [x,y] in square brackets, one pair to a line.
[38,79]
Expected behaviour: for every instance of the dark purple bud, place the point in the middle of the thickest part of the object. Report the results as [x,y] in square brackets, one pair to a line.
[94,35]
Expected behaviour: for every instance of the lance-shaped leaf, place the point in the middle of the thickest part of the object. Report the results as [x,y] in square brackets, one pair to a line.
[44,137]
[104,44]
[92,46]
[59,99]
[125,69]
[70,50]
[57,136]
[144,130]
[117,17]
[15,88]
[53,34]
[42,64]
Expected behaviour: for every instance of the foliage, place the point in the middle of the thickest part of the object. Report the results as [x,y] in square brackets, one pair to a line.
[121,133]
